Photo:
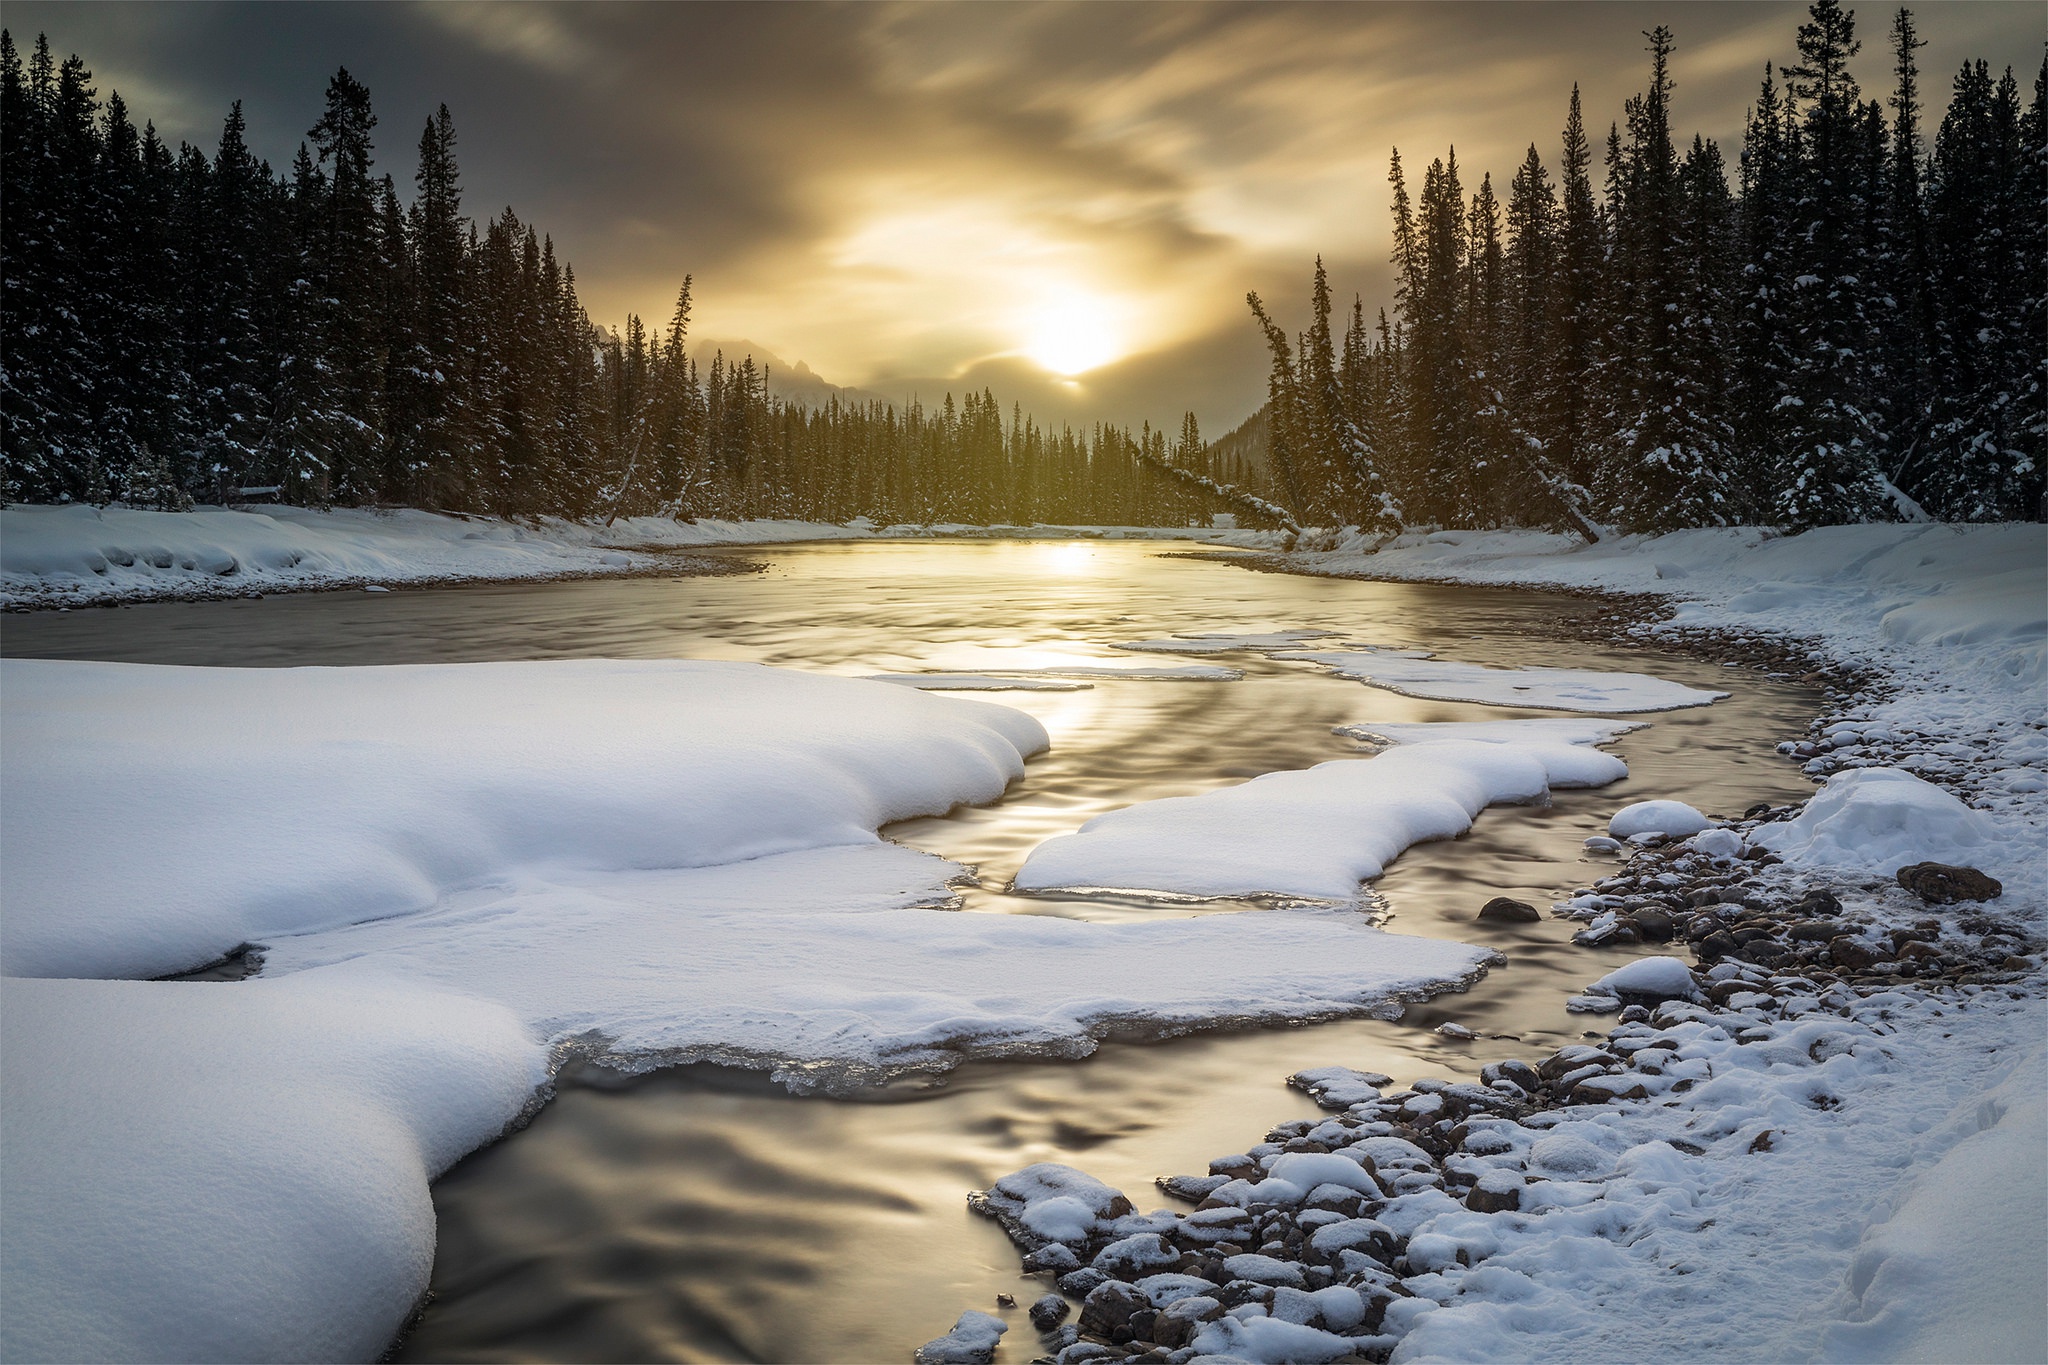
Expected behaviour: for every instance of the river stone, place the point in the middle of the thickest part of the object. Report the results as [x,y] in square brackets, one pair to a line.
[1853,954]
[1814,931]
[1945,884]
[971,1342]
[1108,1309]
[1507,911]
[1654,925]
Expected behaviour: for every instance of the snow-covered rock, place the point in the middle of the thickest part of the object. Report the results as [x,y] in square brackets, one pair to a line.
[1671,819]
[1659,978]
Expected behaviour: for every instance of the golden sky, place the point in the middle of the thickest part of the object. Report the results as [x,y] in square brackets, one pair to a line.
[1064,202]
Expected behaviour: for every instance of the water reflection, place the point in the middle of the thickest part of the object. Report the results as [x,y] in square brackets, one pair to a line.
[700,1214]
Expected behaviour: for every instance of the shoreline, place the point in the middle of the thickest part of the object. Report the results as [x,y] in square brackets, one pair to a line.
[1330,1272]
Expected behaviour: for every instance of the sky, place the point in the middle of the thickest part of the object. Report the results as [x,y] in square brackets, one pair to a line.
[1064,203]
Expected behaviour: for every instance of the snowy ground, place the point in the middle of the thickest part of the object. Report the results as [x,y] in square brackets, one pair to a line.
[1792,1173]
[81,556]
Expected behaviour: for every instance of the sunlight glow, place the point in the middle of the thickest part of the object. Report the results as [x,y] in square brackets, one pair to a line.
[1071,333]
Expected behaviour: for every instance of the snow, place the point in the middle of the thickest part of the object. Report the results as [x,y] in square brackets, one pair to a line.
[1955,1272]
[1555,729]
[971,1342]
[1543,689]
[1662,978]
[234,1171]
[78,554]
[1672,819]
[1312,832]
[259,802]
[1877,820]
[829,966]
[1220,642]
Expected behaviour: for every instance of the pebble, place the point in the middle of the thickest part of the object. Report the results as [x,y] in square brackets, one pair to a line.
[1510,911]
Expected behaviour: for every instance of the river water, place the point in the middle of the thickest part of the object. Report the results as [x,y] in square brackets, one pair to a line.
[701,1213]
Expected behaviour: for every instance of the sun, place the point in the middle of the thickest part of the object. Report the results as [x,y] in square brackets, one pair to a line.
[1071,333]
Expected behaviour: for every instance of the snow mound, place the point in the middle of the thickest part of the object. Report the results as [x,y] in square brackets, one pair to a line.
[235,1171]
[1219,642]
[1313,832]
[1672,819]
[258,802]
[1878,820]
[1540,689]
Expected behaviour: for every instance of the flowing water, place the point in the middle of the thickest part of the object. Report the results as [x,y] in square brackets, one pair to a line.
[702,1214]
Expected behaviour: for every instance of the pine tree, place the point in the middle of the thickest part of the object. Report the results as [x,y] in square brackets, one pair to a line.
[1831,441]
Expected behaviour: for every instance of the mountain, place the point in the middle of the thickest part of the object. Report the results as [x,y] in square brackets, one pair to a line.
[796,383]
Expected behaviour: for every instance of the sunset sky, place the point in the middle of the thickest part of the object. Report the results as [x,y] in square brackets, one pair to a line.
[1064,203]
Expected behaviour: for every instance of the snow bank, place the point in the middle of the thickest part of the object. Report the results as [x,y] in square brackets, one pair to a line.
[1543,689]
[1314,832]
[79,554]
[234,1171]
[1955,1272]
[1877,820]
[257,802]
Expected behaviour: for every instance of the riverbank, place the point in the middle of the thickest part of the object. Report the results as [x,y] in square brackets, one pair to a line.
[1821,1140]
[79,556]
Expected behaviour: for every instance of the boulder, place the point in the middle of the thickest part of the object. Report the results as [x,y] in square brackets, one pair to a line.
[1946,884]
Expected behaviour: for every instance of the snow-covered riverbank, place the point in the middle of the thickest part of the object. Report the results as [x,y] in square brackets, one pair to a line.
[88,556]
[1796,1156]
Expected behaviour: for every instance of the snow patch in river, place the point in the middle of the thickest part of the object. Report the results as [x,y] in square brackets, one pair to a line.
[1542,689]
[1312,832]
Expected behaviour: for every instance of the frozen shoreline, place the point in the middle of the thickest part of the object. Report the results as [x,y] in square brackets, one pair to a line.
[79,556]
[1871,1209]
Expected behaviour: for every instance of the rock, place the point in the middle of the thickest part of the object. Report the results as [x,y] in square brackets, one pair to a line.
[1945,884]
[1654,925]
[1821,903]
[1916,951]
[1108,1308]
[1054,1257]
[1814,931]
[1049,1312]
[1504,1198]
[1717,945]
[1080,1283]
[1507,911]
[1853,954]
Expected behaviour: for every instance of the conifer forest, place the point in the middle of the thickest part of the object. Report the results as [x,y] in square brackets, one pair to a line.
[1841,320]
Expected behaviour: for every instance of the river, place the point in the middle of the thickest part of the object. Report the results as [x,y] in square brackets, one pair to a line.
[701,1213]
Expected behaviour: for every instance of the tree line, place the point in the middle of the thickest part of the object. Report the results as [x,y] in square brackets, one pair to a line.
[176,326]
[1853,330]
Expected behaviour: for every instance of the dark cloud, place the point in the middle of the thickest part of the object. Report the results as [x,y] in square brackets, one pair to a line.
[915,197]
